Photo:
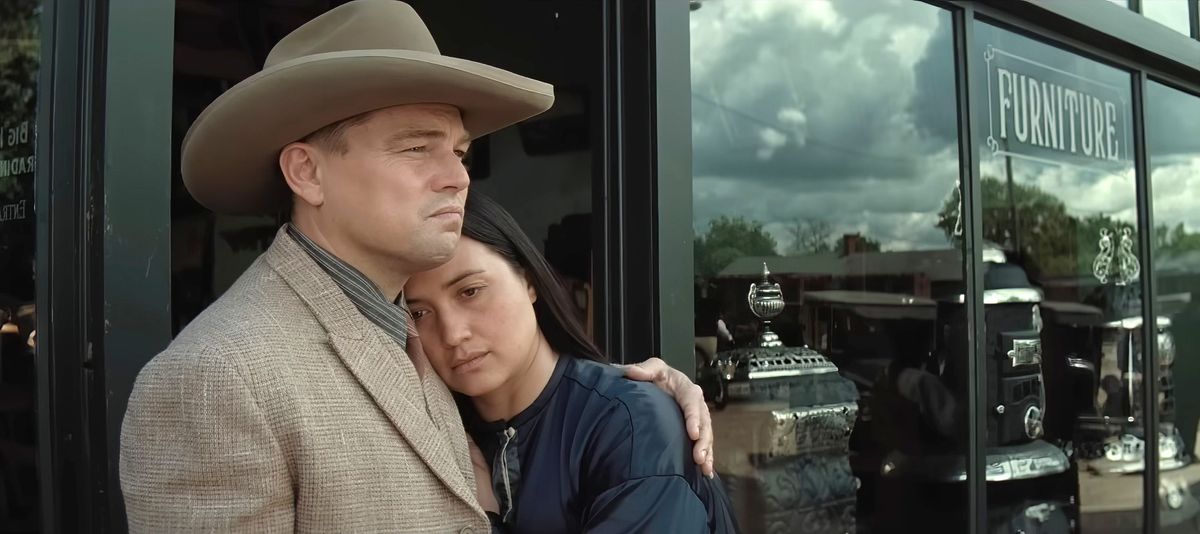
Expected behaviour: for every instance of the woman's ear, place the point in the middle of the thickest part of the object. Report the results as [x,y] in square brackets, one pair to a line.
[529,288]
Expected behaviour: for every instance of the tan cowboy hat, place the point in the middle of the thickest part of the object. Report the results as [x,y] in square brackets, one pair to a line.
[361,56]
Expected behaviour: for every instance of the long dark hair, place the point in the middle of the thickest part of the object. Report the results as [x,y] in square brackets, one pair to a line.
[487,222]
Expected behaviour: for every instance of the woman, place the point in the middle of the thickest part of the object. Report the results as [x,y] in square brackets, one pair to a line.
[573,446]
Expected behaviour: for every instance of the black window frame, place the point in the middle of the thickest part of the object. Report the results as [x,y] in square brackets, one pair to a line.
[63,192]
[102,189]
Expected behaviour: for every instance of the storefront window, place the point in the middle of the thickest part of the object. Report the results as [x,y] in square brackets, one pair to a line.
[1171,13]
[1062,300]
[826,151]
[1174,158]
[19,58]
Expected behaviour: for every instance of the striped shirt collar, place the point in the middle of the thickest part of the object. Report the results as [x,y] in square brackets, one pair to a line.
[392,316]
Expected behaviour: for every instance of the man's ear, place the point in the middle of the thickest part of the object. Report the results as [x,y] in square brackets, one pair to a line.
[299,164]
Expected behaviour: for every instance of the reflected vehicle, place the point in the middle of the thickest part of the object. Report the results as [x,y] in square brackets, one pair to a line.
[864,333]
[1030,482]
[907,356]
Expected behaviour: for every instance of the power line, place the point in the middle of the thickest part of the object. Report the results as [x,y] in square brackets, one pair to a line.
[809,139]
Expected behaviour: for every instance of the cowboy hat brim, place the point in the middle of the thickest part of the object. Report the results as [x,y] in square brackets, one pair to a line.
[230,155]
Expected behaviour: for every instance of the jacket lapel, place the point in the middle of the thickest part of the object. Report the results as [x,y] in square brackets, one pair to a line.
[441,405]
[373,360]
[376,361]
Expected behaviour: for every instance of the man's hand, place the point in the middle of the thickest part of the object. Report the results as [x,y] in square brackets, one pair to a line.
[483,479]
[690,398]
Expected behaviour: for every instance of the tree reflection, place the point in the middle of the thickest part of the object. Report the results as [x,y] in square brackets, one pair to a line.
[1047,239]
[727,239]
[19,49]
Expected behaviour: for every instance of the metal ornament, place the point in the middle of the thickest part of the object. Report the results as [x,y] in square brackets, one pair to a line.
[1174,492]
[1041,513]
[1116,263]
[1128,266]
[1102,265]
[1026,352]
[810,430]
[1035,459]
[1166,347]
[958,212]
[1033,422]
[766,303]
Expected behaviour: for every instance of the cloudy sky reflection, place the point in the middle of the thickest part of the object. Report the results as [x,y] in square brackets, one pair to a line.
[844,112]
[1174,156]
[835,111]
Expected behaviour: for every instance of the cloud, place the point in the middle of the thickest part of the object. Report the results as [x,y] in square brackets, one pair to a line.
[797,120]
[1174,146]
[772,140]
[805,109]
[1166,132]
[1176,187]
[852,82]
[901,216]
[1085,191]
[819,14]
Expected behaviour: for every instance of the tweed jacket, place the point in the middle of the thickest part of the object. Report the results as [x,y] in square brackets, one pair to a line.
[282,409]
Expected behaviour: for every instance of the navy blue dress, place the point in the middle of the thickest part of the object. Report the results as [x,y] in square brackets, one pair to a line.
[598,453]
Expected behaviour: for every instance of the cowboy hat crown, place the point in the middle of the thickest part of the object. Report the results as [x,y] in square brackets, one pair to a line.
[362,56]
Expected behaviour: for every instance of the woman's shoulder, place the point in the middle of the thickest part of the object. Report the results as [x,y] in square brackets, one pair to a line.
[608,382]
[637,415]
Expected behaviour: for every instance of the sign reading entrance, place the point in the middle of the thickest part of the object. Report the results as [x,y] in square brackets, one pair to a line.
[1047,114]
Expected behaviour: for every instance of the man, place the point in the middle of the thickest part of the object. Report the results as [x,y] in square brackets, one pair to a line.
[300,400]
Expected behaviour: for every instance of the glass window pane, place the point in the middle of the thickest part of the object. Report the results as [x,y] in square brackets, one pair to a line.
[19,58]
[1174,152]
[1171,13]
[825,148]
[1062,299]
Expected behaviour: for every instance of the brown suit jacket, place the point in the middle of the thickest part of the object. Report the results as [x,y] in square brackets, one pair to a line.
[281,408]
